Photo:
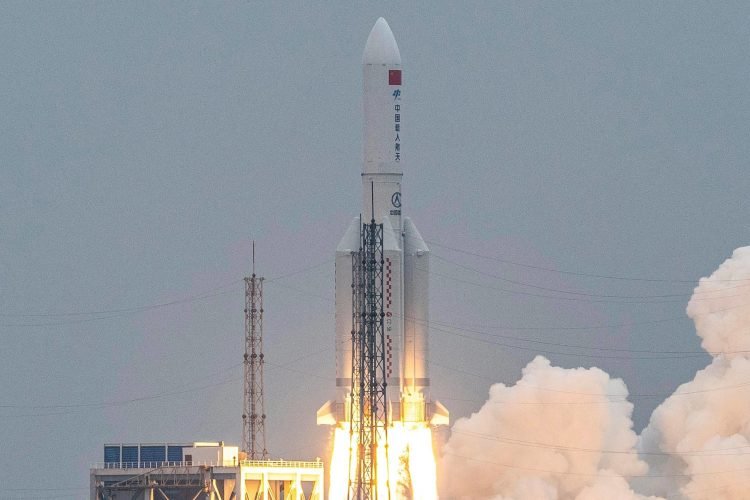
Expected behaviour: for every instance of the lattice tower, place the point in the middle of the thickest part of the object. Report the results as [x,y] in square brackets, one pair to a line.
[253,414]
[368,410]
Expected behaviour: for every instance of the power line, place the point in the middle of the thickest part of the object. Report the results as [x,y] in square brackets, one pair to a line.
[584,294]
[299,271]
[598,474]
[658,356]
[632,395]
[577,346]
[118,312]
[126,310]
[607,401]
[68,408]
[554,297]
[122,402]
[573,273]
[85,407]
[551,446]
[565,328]
[551,328]
[461,326]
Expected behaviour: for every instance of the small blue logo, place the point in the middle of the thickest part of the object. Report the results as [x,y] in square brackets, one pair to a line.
[397,95]
[396,199]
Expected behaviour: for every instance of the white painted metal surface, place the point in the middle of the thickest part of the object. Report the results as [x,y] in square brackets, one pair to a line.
[406,266]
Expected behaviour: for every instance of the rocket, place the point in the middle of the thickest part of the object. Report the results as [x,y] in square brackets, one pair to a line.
[405,254]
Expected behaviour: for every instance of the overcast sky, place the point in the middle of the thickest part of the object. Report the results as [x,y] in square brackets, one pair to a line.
[144,145]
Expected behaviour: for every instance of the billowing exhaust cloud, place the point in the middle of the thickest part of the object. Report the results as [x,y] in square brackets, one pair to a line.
[567,433]
[558,433]
[705,425]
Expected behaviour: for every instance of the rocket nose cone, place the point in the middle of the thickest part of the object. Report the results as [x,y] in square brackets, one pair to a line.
[381,47]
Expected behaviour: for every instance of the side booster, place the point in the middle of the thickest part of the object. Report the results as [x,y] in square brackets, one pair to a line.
[406,256]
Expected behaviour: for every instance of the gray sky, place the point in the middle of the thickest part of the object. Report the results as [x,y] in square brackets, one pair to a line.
[144,145]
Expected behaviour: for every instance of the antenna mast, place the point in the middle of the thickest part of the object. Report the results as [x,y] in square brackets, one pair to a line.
[253,414]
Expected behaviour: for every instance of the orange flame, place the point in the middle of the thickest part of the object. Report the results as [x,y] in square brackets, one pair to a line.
[409,471]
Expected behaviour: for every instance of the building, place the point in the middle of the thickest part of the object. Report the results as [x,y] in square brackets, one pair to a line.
[177,471]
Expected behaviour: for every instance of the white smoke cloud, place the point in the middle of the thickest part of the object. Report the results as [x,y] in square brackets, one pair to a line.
[557,434]
[720,308]
[567,434]
[705,425]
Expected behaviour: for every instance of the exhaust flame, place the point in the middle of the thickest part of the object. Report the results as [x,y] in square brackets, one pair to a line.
[408,471]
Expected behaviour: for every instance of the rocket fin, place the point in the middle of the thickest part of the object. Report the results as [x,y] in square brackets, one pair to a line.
[326,414]
[440,415]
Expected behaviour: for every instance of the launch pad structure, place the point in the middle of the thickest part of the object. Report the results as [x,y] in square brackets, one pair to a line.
[368,405]
[200,471]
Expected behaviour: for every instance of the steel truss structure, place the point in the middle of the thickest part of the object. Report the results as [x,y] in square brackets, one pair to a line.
[167,482]
[253,414]
[368,407]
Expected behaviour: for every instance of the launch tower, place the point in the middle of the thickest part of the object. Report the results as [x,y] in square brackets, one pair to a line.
[367,404]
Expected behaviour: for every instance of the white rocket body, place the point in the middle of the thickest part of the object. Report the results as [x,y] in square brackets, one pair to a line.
[406,266]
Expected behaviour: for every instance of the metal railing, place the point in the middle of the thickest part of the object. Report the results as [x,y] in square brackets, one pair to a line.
[156,465]
[282,463]
[219,463]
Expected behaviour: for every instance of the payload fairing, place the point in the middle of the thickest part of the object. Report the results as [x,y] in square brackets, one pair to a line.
[405,267]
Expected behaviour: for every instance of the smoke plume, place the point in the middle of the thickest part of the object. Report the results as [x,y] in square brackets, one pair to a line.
[567,433]
[558,433]
[705,425]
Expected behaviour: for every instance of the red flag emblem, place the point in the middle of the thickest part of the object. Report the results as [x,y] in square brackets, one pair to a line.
[394,77]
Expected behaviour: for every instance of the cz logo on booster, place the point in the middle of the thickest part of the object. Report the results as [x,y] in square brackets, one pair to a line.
[396,199]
